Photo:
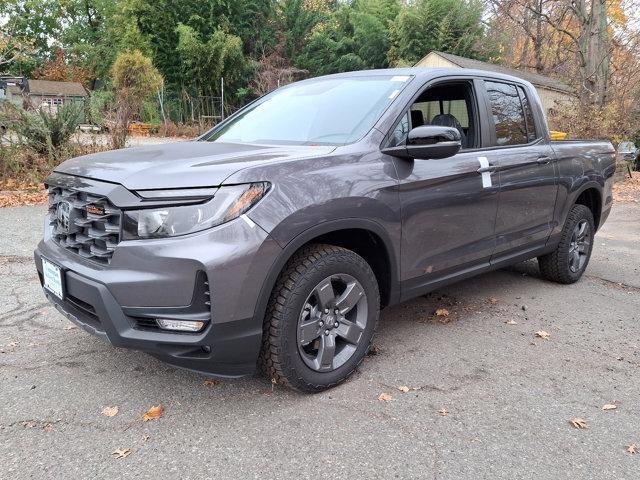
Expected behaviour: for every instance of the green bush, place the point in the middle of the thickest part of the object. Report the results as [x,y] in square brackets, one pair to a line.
[45,132]
[99,102]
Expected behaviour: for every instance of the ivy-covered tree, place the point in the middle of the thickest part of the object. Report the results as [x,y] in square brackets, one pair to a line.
[135,79]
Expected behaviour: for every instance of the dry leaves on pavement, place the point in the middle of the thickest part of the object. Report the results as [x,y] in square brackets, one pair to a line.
[579,423]
[542,334]
[442,312]
[444,412]
[14,193]
[70,326]
[210,382]
[153,413]
[403,388]
[511,322]
[632,448]
[609,406]
[121,453]
[385,397]
[627,190]
[110,411]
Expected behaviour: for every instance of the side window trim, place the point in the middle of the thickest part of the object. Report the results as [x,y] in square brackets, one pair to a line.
[529,122]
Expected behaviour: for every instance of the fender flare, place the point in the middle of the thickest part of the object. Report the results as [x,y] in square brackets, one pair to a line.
[579,191]
[313,232]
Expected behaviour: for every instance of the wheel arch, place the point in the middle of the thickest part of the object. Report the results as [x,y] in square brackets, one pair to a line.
[589,195]
[348,233]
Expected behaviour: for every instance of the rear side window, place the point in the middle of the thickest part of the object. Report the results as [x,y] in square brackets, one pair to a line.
[508,114]
[528,115]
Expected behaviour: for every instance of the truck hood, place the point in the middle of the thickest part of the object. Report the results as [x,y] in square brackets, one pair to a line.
[182,164]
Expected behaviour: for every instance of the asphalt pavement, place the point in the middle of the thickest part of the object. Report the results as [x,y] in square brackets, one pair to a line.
[486,399]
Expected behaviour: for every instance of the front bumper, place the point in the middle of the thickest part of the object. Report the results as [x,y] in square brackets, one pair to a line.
[161,276]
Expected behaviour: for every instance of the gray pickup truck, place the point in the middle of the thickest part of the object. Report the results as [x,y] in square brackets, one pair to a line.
[275,239]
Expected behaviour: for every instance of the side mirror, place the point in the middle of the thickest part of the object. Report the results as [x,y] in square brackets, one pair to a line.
[428,142]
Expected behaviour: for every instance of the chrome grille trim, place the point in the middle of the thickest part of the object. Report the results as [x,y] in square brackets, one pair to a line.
[91,235]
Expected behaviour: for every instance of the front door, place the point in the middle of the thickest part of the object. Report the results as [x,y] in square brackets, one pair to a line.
[448,206]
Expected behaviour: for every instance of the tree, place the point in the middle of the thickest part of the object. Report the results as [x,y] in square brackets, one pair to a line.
[135,79]
[59,69]
[204,63]
[453,26]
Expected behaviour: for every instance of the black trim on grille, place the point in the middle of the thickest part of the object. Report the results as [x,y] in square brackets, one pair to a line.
[86,224]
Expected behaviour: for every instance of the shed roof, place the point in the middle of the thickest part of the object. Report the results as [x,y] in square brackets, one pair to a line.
[62,89]
[535,78]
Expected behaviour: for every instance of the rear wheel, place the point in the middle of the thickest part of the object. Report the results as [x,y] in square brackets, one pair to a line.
[569,260]
[321,318]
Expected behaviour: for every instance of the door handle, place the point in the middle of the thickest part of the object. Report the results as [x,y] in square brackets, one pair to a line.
[490,168]
[543,160]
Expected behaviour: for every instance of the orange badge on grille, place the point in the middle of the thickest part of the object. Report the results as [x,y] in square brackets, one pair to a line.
[95,210]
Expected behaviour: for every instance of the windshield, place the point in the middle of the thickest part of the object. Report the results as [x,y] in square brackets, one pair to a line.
[333,111]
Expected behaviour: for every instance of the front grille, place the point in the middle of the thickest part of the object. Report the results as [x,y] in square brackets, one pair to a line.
[86,224]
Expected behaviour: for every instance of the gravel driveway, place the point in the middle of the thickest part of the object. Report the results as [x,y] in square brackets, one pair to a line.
[487,400]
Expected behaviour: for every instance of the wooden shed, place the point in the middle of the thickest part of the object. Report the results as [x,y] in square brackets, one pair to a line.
[554,94]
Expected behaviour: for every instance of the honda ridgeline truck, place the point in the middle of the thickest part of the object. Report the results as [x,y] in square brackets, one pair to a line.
[275,239]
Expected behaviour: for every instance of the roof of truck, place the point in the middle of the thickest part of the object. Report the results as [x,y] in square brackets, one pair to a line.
[425,73]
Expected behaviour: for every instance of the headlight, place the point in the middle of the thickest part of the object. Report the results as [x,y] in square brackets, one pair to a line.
[228,203]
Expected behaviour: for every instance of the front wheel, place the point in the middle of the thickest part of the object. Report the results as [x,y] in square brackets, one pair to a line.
[321,318]
[569,260]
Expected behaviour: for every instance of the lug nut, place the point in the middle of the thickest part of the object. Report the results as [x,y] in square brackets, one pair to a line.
[326,332]
[320,323]
[336,325]
[326,310]
[336,311]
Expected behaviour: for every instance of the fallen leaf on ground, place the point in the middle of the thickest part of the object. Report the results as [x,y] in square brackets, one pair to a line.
[70,326]
[609,406]
[403,388]
[493,300]
[209,382]
[579,423]
[632,448]
[542,334]
[442,312]
[511,322]
[444,412]
[153,413]
[110,411]
[146,437]
[385,397]
[121,453]
[373,350]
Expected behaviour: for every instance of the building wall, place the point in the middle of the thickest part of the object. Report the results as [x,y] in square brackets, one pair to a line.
[53,102]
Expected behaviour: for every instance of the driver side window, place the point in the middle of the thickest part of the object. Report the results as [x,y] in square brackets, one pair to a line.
[448,105]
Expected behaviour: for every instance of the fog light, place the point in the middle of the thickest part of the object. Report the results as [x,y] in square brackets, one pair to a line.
[180,325]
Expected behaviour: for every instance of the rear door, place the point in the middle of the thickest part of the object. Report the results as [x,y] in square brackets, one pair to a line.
[526,169]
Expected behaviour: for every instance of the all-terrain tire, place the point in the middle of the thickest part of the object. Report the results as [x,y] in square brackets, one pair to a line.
[280,357]
[557,266]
